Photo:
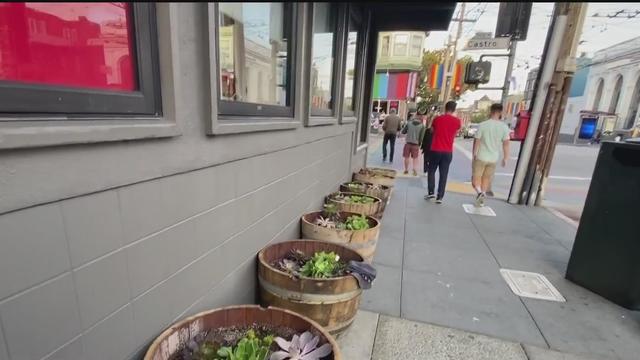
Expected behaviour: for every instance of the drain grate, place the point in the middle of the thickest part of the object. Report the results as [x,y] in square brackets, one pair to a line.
[531,285]
[473,210]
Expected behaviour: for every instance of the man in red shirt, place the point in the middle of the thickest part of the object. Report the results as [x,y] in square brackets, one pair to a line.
[445,127]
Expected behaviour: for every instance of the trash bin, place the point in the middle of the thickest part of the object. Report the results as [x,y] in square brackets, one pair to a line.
[606,253]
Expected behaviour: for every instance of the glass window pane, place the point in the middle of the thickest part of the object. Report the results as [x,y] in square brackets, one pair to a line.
[385,46]
[324,31]
[350,69]
[254,54]
[416,45]
[81,45]
[400,43]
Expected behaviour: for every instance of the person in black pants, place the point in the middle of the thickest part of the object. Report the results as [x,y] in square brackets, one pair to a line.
[445,127]
[391,126]
[426,147]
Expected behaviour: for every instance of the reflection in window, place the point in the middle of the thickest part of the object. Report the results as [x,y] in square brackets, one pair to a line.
[350,69]
[85,45]
[254,52]
[400,43]
[324,30]
[416,45]
[385,46]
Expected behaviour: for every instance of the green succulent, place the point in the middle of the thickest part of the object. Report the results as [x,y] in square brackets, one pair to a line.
[250,347]
[322,265]
[357,222]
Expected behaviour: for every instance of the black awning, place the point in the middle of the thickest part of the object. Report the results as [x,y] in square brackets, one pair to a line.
[408,16]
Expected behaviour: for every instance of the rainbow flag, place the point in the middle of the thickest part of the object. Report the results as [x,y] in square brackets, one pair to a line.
[436,76]
[458,75]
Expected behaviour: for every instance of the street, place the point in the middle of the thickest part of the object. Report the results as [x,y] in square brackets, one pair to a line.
[566,189]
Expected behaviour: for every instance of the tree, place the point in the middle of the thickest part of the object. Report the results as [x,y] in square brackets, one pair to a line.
[429,96]
[479,116]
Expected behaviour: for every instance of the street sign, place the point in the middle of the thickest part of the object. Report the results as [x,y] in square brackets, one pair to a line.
[487,44]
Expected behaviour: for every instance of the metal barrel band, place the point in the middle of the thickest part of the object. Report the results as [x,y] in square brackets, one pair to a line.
[312,299]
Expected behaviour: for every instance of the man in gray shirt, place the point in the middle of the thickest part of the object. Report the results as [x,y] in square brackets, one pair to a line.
[391,127]
[415,133]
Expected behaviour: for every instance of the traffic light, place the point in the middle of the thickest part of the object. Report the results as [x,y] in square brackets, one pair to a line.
[477,72]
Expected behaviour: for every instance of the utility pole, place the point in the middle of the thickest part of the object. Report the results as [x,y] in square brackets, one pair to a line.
[507,76]
[552,92]
[445,75]
[452,64]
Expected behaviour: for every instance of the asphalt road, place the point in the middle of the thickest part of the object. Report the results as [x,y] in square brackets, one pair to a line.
[567,186]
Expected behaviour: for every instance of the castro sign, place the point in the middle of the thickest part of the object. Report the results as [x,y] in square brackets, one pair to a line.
[487,44]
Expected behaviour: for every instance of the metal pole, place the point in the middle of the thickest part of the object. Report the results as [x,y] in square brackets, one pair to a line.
[546,74]
[454,58]
[507,76]
[445,69]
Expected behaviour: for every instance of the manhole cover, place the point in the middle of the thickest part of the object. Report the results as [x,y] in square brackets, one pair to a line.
[484,210]
[531,285]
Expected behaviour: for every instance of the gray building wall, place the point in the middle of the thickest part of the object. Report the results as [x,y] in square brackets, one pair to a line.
[103,245]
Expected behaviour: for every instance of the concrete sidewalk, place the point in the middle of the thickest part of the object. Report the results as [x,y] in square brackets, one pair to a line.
[438,265]
[379,337]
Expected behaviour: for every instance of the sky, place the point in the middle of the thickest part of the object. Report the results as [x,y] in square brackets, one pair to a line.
[598,33]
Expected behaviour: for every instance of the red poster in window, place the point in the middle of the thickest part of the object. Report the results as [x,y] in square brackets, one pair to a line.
[80,45]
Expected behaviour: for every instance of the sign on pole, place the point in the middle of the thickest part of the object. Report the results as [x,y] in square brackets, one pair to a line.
[487,44]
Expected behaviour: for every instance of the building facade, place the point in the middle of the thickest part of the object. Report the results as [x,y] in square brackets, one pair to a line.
[613,83]
[148,151]
[398,68]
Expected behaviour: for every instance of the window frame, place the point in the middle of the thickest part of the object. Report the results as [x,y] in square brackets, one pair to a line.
[412,43]
[406,44]
[233,110]
[353,11]
[336,67]
[24,101]
[382,48]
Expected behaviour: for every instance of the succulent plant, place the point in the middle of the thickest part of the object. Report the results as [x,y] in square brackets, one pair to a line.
[323,265]
[325,222]
[303,347]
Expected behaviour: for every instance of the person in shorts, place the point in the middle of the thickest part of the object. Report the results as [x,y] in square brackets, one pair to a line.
[414,130]
[491,138]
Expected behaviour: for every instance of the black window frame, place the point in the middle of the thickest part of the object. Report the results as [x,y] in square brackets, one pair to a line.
[23,101]
[232,110]
[355,13]
[333,111]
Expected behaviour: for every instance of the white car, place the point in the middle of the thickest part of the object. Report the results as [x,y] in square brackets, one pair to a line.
[471,131]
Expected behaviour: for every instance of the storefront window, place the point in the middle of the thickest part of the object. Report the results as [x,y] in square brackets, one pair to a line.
[80,45]
[254,47]
[322,57]
[80,59]
[350,68]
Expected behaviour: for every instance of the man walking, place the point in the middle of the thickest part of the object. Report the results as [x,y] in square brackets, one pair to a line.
[391,126]
[492,135]
[414,129]
[426,146]
[445,127]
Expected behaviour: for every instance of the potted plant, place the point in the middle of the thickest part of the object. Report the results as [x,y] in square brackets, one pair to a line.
[246,332]
[312,278]
[383,171]
[380,191]
[356,203]
[357,231]
[374,177]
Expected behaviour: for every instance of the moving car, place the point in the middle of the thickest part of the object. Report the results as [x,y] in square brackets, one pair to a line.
[471,131]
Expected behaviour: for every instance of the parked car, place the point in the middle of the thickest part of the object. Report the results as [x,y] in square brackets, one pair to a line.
[470,131]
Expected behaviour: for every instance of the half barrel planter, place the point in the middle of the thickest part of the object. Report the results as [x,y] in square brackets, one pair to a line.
[371,209]
[364,242]
[332,302]
[178,334]
[380,191]
[377,178]
[383,171]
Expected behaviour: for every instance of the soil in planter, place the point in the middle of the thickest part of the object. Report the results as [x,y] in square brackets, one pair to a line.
[230,336]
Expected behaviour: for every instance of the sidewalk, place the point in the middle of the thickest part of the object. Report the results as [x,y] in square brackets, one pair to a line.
[438,265]
[379,337]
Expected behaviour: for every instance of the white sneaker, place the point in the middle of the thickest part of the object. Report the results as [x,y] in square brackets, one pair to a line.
[480,200]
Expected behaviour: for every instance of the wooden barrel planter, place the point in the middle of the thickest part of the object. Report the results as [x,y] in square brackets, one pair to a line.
[383,171]
[371,209]
[367,176]
[362,241]
[179,333]
[382,192]
[332,303]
